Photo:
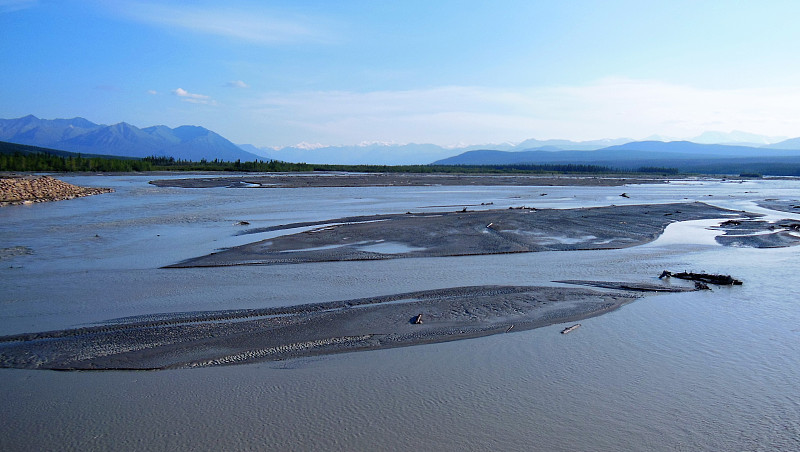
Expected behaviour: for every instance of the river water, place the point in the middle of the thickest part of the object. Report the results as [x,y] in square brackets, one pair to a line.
[690,371]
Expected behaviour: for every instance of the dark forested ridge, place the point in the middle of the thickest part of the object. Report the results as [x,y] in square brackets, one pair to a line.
[19,157]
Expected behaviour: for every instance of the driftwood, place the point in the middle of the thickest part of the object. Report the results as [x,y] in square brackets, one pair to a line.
[720,280]
[701,286]
[570,329]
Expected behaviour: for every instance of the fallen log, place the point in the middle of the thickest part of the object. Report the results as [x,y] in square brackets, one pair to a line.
[720,280]
[570,328]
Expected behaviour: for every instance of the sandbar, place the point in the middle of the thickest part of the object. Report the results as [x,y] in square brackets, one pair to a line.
[462,233]
[215,338]
[757,233]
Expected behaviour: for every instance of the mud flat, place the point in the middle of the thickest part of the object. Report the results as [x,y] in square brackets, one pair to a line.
[298,180]
[462,233]
[755,233]
[16,190]
[784,205]
[200,339]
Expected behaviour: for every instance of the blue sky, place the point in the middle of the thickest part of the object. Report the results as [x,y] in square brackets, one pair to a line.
[276,73]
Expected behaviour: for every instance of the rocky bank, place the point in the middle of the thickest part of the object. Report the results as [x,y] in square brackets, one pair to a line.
[28,189]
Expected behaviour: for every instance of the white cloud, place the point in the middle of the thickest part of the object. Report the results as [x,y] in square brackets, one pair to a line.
[186,96]
[256,25]
[152,92]
[237,84]
[614,107]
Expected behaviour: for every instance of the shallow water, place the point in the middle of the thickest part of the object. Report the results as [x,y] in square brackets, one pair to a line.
[692,371]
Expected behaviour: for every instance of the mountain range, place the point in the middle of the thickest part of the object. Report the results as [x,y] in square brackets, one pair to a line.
[683,156]
[83,136]
[196,143]
[546,151]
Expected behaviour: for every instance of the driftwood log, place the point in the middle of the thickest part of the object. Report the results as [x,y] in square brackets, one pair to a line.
[720,280]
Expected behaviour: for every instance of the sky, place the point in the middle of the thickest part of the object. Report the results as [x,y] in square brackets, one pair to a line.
[460,72]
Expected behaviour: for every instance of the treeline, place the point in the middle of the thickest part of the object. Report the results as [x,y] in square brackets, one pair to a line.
[40,162]
[279,166]
[271,166]
[56,163]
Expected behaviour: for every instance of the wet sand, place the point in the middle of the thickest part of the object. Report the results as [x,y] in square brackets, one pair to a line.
[462,233]
[783,205]
[757,233]
[298,180]
[213,338]
[186,340]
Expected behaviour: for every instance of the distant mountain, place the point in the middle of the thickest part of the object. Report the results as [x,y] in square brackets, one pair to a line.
[735,137]
[793,144]
[26,149]
[83,136]
[41,132]
[567,145]
[408,154]
[366,154]
[697,149]
[644,152]
[196,143]
[256,151]
[546,155]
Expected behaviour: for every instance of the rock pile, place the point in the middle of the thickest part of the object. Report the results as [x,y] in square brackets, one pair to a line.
[29,189]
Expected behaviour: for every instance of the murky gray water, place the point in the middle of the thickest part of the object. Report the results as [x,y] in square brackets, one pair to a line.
[691,371]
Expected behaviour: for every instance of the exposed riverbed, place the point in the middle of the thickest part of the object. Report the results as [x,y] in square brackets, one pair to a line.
[705,370]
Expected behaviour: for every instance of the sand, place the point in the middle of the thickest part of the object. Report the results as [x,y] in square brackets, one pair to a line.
[199,339]
[462,233]
[784,205]
[755,233]
[187,340]
[243,336]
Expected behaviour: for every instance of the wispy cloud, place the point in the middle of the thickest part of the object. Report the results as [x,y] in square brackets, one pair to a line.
[186,96]
[152,92]
[614,107]
[255,25]
[237,84]
[7,6]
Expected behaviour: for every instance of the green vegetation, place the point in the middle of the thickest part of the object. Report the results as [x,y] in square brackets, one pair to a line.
[658,170]
[45,162]
[19,157]
[57,163]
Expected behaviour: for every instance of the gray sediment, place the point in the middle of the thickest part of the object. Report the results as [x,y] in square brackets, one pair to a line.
[783,205]
[755,233]
[200,339]
[305,180]
[462,233]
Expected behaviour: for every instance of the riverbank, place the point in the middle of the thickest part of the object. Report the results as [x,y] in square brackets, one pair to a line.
[28,189]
